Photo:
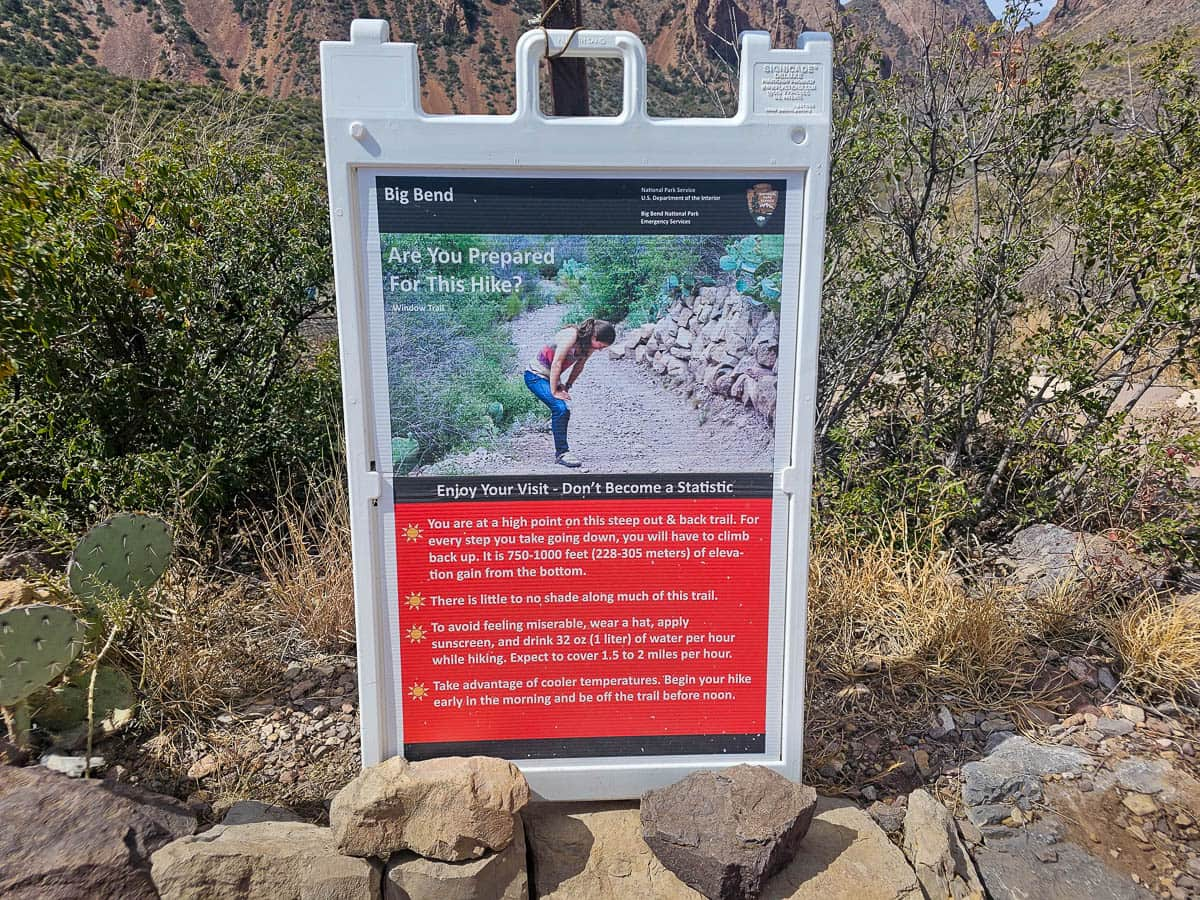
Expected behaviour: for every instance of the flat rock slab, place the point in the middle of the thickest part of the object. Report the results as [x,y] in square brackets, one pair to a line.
[725,833]
[1013,771]
[497,875]
[65,838]
[595,851]
[263,861]
[1017,866]
[453,808]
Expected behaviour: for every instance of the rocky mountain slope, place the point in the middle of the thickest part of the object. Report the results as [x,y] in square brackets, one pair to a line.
[467,45]
[1138,20]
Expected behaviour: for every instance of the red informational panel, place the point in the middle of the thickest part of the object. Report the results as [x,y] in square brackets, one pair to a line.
[528,624]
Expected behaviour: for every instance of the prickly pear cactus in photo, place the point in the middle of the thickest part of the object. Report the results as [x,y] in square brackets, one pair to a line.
[37,642]
[125,554]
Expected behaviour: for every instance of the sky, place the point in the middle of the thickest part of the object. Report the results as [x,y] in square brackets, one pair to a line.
[1041,8]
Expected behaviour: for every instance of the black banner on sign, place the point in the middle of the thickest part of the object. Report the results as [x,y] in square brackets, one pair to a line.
[582,487]
[580,748]
[579,206]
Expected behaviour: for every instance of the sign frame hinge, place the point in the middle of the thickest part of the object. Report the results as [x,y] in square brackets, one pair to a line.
[787,480]
[372,486]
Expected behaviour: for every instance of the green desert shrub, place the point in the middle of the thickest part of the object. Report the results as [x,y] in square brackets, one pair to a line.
[150,330]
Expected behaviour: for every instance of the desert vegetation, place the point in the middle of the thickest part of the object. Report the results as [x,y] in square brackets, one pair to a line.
[1011,268]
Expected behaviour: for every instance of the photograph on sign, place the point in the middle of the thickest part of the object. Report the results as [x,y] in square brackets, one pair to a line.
[567,587]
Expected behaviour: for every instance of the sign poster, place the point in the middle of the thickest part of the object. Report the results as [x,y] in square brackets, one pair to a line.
[583,570]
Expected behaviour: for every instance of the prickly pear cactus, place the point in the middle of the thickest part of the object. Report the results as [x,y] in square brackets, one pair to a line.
[37,642]
[65,708]
[125,554]
[495,410]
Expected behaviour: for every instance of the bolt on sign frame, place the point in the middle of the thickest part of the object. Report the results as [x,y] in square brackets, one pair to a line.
[377,134]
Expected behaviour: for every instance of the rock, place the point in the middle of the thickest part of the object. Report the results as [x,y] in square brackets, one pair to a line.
[452,808]
[497,875]
[16,593]
[1048,556]
[725,833]
[1139,804]
[1113,727]
[1016,866]
[268,860]
[71,766]
[81,838]
[1145,776]
[845,854]
[1014,769]
[1134,714]
[1083,671]
[617,351]
[939,858]
[889,818]
[943,724]
[593,851]
[203,767]
[247,812]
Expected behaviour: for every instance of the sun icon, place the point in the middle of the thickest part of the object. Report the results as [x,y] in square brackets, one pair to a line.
[416,634]
[418,691]
[414,601]
[412,533]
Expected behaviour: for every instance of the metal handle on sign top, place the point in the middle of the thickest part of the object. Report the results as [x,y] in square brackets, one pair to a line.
[584,43]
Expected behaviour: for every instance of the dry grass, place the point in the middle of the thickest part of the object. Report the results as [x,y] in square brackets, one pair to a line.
[304,553]
[1159,642]
[205,646]
[901,607]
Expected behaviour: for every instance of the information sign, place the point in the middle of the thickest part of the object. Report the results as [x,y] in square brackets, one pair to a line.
[579,544]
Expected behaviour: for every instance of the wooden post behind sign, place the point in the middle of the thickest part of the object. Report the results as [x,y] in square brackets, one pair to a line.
[568,76]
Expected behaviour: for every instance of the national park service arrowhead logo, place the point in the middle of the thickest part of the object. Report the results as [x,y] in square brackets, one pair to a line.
[762,200]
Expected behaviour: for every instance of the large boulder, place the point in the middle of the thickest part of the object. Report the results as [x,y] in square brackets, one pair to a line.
[932,845]
[497,875]
[725,833]
[65,838]
[1046,558]
[263,861]
[453,808]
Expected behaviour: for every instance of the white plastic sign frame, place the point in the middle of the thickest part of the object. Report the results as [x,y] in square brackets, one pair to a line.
[374,122]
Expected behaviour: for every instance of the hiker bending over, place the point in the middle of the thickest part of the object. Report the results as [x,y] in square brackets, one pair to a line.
[567,353]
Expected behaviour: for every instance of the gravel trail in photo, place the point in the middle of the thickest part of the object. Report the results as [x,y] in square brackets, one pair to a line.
[623,419]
